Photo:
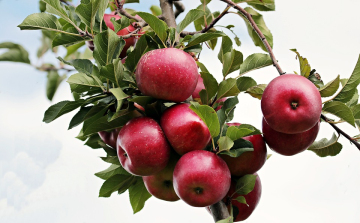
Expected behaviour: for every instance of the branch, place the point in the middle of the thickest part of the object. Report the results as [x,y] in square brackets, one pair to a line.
[219,211]
[168,12]
[210,26]
[180,8]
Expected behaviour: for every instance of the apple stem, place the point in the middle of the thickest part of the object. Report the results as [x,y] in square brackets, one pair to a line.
[219,211]
[294,105]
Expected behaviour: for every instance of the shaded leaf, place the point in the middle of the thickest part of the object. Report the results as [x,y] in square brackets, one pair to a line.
[245,184]
[116,183]
[340,110]
[15,53]
[138,195]
[61,108]
[255,61]
[257,91]
[209,116]
[244,83]
[53,82]
[330,88]
[111,171]
[326,147]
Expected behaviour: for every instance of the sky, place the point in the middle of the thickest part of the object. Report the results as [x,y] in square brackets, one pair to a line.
[46,175]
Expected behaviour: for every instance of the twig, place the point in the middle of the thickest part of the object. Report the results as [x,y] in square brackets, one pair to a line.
[211,25]
[168,12]
[180,8]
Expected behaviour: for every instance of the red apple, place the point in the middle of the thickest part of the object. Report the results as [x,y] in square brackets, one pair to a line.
[289,144]
[184,129]
[160,185]
[109,137]
[248,162]
[201,178]
[142,147]
[219,101]
[168,74]
[291,104]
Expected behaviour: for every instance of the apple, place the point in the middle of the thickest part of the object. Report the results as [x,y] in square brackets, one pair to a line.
[168,74]
[160,185]
[248,162]
[219,101]
[109,137]
[291,104]
[289,144]
[142,147]
[184,129]
[201,178]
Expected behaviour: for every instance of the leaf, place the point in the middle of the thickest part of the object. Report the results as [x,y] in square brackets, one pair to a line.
[235,133]
[305,67]
[114,72]
[241,199]
[226,47]
[155,10]
[81,65]
[340,110]
[326,147]
[227,88]
[80,80]
[67,40]
[87,11]
[225,143]
[203,37]
[15,53]
[330,88]
[190,17]
[262,5]
[79,117]
[255,61]
[244,83]
[111,159]
[115,183]
[348,90]
[38,21]
[245,184]
[227,220]
[156,24]
[54,7]
[138,195]
[211,85]
[120,24]
[108,47]
[61,108]
[231,62]
[120,95]
[237,152]
[209,116]
[53,82]
[257,91]
[111,171]
[258,19]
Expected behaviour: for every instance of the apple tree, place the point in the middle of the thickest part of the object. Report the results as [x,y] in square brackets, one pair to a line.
[143,95]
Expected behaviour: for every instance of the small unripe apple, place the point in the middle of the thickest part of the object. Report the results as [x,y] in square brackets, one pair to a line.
[142,147]
[160,185]
[168,74]
[289,144]
[184,129]
[109,137]
[201,178]
[248,162]
[291,104]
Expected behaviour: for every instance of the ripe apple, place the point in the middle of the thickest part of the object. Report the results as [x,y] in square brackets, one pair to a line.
[160,185]
[167,74]
[109,137]
[248,162]
[142,147]
[289,144]
[184,129]
[201,178]
[291,104]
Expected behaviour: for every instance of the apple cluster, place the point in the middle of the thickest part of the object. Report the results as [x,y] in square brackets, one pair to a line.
[291,105]
[171,153]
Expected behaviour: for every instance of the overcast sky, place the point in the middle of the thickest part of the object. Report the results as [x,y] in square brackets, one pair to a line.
[46,175]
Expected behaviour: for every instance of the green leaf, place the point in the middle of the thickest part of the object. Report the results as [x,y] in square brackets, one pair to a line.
[340,110]
[241,199]
[81,65]
[53,82]
[245,184]
[326,147]
[211,85]
[225,143]
[138,195]
[120,24]
[305,67]
[156,24]
[330,88]
[227,220]
[42,6]
[263,5]
[54,7]
[227,88]
[235,133]
[41,21]
[61,108]
[258,19]
[16,53]
[87,11]
[226,47]
[190,17]
[231,62]
[237,152]
[257,91]
[73,49]
[120,95]
[203,37]
[67,40]
[155,10]
[79,117]
[80,80]
[356,111]
[115,183]
[114,72]
[244,83]
[111,171]
[108,47]
[255,61]
[111,159]
[354,100]
[348,90]
[209,116]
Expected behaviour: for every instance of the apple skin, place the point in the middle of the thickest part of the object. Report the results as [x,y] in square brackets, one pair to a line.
[142,147]
[201,178]
[184,129]
[168,74]
[289,144]
[248,162]
[160,185]
[109,137]
[279,110]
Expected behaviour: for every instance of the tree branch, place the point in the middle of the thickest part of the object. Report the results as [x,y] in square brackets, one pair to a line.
[168,12]
[180,8]
[210,26]
[219,211]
